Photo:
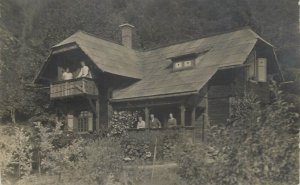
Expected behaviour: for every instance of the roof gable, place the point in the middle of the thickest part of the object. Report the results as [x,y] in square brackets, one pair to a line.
[108,56]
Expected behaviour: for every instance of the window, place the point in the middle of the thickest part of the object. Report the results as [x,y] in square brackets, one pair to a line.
[187,60]
[85,121]
[187,63]
[184,64]
[177,65]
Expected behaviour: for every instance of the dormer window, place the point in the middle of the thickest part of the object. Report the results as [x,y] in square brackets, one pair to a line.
[178,65]
[183,64]
[187,63]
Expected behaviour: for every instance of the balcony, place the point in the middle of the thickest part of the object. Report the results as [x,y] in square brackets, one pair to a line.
[73,87]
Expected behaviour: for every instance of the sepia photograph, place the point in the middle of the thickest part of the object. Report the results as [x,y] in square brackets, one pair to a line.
[149,92]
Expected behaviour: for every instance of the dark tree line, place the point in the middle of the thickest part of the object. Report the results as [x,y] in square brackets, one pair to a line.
[30,27]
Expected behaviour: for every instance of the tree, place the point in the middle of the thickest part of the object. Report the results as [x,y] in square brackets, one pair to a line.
[16,152]
[37,25]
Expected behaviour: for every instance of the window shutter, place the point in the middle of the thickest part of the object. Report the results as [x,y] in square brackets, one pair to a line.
[90,121]
[70,122]
[262,70]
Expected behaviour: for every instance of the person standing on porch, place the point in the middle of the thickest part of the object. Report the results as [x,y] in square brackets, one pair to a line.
[141,123]
[172,122]
[84,71]
[154,122]
[67,75]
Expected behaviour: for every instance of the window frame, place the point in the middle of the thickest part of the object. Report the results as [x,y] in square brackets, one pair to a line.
[183,67]
[83,121]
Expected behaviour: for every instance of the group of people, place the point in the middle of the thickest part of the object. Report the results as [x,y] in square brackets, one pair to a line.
[155,123]
[84,72]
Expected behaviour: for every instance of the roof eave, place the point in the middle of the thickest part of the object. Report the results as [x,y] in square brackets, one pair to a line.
[38,75]
[154,97]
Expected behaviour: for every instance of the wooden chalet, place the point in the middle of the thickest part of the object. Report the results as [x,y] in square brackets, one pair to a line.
[195,80]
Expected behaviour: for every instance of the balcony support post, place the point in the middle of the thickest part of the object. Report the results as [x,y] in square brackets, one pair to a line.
[93,107]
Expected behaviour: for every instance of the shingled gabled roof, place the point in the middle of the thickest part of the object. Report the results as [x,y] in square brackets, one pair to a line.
[229,49]
[153,68]
[108,56]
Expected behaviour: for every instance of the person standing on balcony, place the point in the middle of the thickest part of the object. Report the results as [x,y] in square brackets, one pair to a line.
[172,122]
[84,71]
[67,75]
[141,123]
[154,122]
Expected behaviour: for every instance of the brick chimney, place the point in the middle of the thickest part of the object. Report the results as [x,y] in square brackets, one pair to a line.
[126,30]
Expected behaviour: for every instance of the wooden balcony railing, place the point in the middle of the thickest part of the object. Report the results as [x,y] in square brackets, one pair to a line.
[73,87]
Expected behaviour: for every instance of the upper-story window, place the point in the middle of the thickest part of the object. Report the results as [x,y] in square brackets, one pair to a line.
[187,61]
[183,64]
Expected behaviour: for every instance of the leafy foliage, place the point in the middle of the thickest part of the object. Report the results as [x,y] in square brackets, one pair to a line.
[139,145]
[121,121]
[33,26]
[201,164]
[88,162]
[16,149]
[259,146]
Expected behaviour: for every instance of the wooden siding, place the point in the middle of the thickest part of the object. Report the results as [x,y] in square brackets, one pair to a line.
[260,89]
[218,110]
[225,84]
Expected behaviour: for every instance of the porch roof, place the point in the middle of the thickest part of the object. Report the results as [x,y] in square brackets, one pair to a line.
[216,52]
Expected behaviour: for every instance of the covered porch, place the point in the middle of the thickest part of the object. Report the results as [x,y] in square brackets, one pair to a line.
[190,111]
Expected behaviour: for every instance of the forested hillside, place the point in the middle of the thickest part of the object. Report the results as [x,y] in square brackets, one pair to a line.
[30,27]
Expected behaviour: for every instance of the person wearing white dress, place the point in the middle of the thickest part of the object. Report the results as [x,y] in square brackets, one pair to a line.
[67,75]
[84,71]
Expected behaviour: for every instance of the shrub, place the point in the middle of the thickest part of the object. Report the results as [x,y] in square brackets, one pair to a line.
[89,162]
[121,121]
[140,145]
[257,146]
[200,164]
[15,151]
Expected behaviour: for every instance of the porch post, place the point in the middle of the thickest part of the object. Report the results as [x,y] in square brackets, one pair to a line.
[182,115]
[193,116]
[97,115]
[147,117]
